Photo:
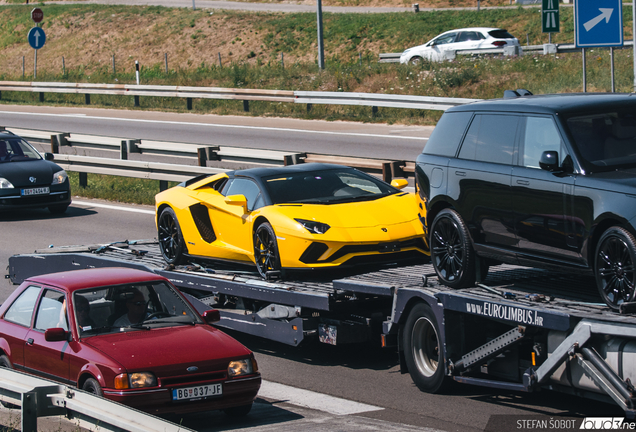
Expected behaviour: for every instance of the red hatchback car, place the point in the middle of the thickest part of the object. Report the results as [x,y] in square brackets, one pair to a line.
[130,336]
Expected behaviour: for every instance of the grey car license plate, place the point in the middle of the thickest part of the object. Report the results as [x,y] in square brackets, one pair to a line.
[35,191]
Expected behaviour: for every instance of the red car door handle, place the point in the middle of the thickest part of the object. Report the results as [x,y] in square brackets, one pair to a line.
[29,341]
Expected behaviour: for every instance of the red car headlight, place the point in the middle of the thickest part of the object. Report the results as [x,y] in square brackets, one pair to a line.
[135,380]
[241,367]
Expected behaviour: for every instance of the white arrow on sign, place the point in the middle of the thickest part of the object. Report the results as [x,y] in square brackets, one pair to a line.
[36,34]
[605,14]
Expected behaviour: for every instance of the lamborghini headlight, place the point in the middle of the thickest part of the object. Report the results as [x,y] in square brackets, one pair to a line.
[59,177]
[5,184]
[241,367]
[313,226]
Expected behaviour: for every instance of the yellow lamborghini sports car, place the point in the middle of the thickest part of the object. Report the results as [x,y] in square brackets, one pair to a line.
[304,216]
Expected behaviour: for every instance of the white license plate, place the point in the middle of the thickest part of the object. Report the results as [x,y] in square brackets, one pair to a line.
[36,191]
[197,392]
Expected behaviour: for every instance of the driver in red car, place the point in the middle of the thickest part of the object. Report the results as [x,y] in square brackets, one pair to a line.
[136,311]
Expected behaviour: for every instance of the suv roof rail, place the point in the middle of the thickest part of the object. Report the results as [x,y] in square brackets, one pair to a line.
[516,93]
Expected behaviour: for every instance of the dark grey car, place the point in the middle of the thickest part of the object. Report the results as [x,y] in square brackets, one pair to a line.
[546,181]
[28,180]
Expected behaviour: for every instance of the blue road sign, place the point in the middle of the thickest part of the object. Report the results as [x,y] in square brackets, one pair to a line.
[36,38]
[598,23]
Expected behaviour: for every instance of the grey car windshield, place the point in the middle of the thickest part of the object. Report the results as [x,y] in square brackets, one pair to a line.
[12,150]
[326,187]
[605,140]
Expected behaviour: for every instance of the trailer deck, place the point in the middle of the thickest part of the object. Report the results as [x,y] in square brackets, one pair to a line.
[559,293]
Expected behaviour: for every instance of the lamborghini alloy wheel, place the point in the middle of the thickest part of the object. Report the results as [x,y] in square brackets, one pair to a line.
[170,237]
[266,250]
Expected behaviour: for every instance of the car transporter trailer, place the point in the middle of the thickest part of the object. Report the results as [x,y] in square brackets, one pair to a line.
[526,330]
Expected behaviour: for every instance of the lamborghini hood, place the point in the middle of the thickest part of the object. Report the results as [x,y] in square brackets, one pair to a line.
[390,210]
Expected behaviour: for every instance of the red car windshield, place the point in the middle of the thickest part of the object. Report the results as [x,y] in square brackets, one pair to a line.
[134,306]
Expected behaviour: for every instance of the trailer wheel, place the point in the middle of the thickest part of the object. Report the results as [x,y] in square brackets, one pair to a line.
[451,252]
[615,266]
[170,237]
[422,350]
[266,250]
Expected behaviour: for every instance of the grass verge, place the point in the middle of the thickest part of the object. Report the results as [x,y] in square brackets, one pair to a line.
[113,188]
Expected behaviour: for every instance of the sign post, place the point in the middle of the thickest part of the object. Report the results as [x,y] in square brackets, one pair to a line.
[598,23]
[37,15]
[550,17]
[36,37]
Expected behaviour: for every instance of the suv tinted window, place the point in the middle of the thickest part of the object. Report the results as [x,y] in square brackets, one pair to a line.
[490,138]
[606,139]
[541,135]
[447,134]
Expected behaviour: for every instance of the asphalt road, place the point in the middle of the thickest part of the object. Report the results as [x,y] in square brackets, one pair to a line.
[393,142]
[362,374]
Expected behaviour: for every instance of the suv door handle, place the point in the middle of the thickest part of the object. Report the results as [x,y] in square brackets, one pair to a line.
[29,341]
[460,173]
[523,182]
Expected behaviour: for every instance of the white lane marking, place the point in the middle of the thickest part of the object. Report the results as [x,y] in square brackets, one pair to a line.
[114,207]
[221,125]
[313,400]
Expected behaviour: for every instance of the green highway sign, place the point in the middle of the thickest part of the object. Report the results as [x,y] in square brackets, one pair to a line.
[550,16]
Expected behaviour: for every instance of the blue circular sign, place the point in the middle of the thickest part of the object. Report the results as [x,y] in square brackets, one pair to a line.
[36,38]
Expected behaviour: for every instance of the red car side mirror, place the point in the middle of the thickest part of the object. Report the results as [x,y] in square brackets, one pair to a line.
[212,316]
[56,334]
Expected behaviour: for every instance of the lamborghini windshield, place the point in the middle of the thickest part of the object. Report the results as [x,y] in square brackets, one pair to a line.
[326,187]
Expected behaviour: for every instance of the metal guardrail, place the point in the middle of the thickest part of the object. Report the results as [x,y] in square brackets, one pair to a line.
[527,49]
[130,168]
[374,100]
[197,153]
[380,100]
[125,147]
[149,90]
[38,397]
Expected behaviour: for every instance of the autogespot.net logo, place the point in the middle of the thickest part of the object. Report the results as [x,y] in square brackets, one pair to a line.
[607,423]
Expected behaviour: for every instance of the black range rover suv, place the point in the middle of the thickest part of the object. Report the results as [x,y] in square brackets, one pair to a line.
[543,181]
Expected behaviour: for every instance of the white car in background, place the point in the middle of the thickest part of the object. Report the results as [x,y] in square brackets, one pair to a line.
[474,38]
